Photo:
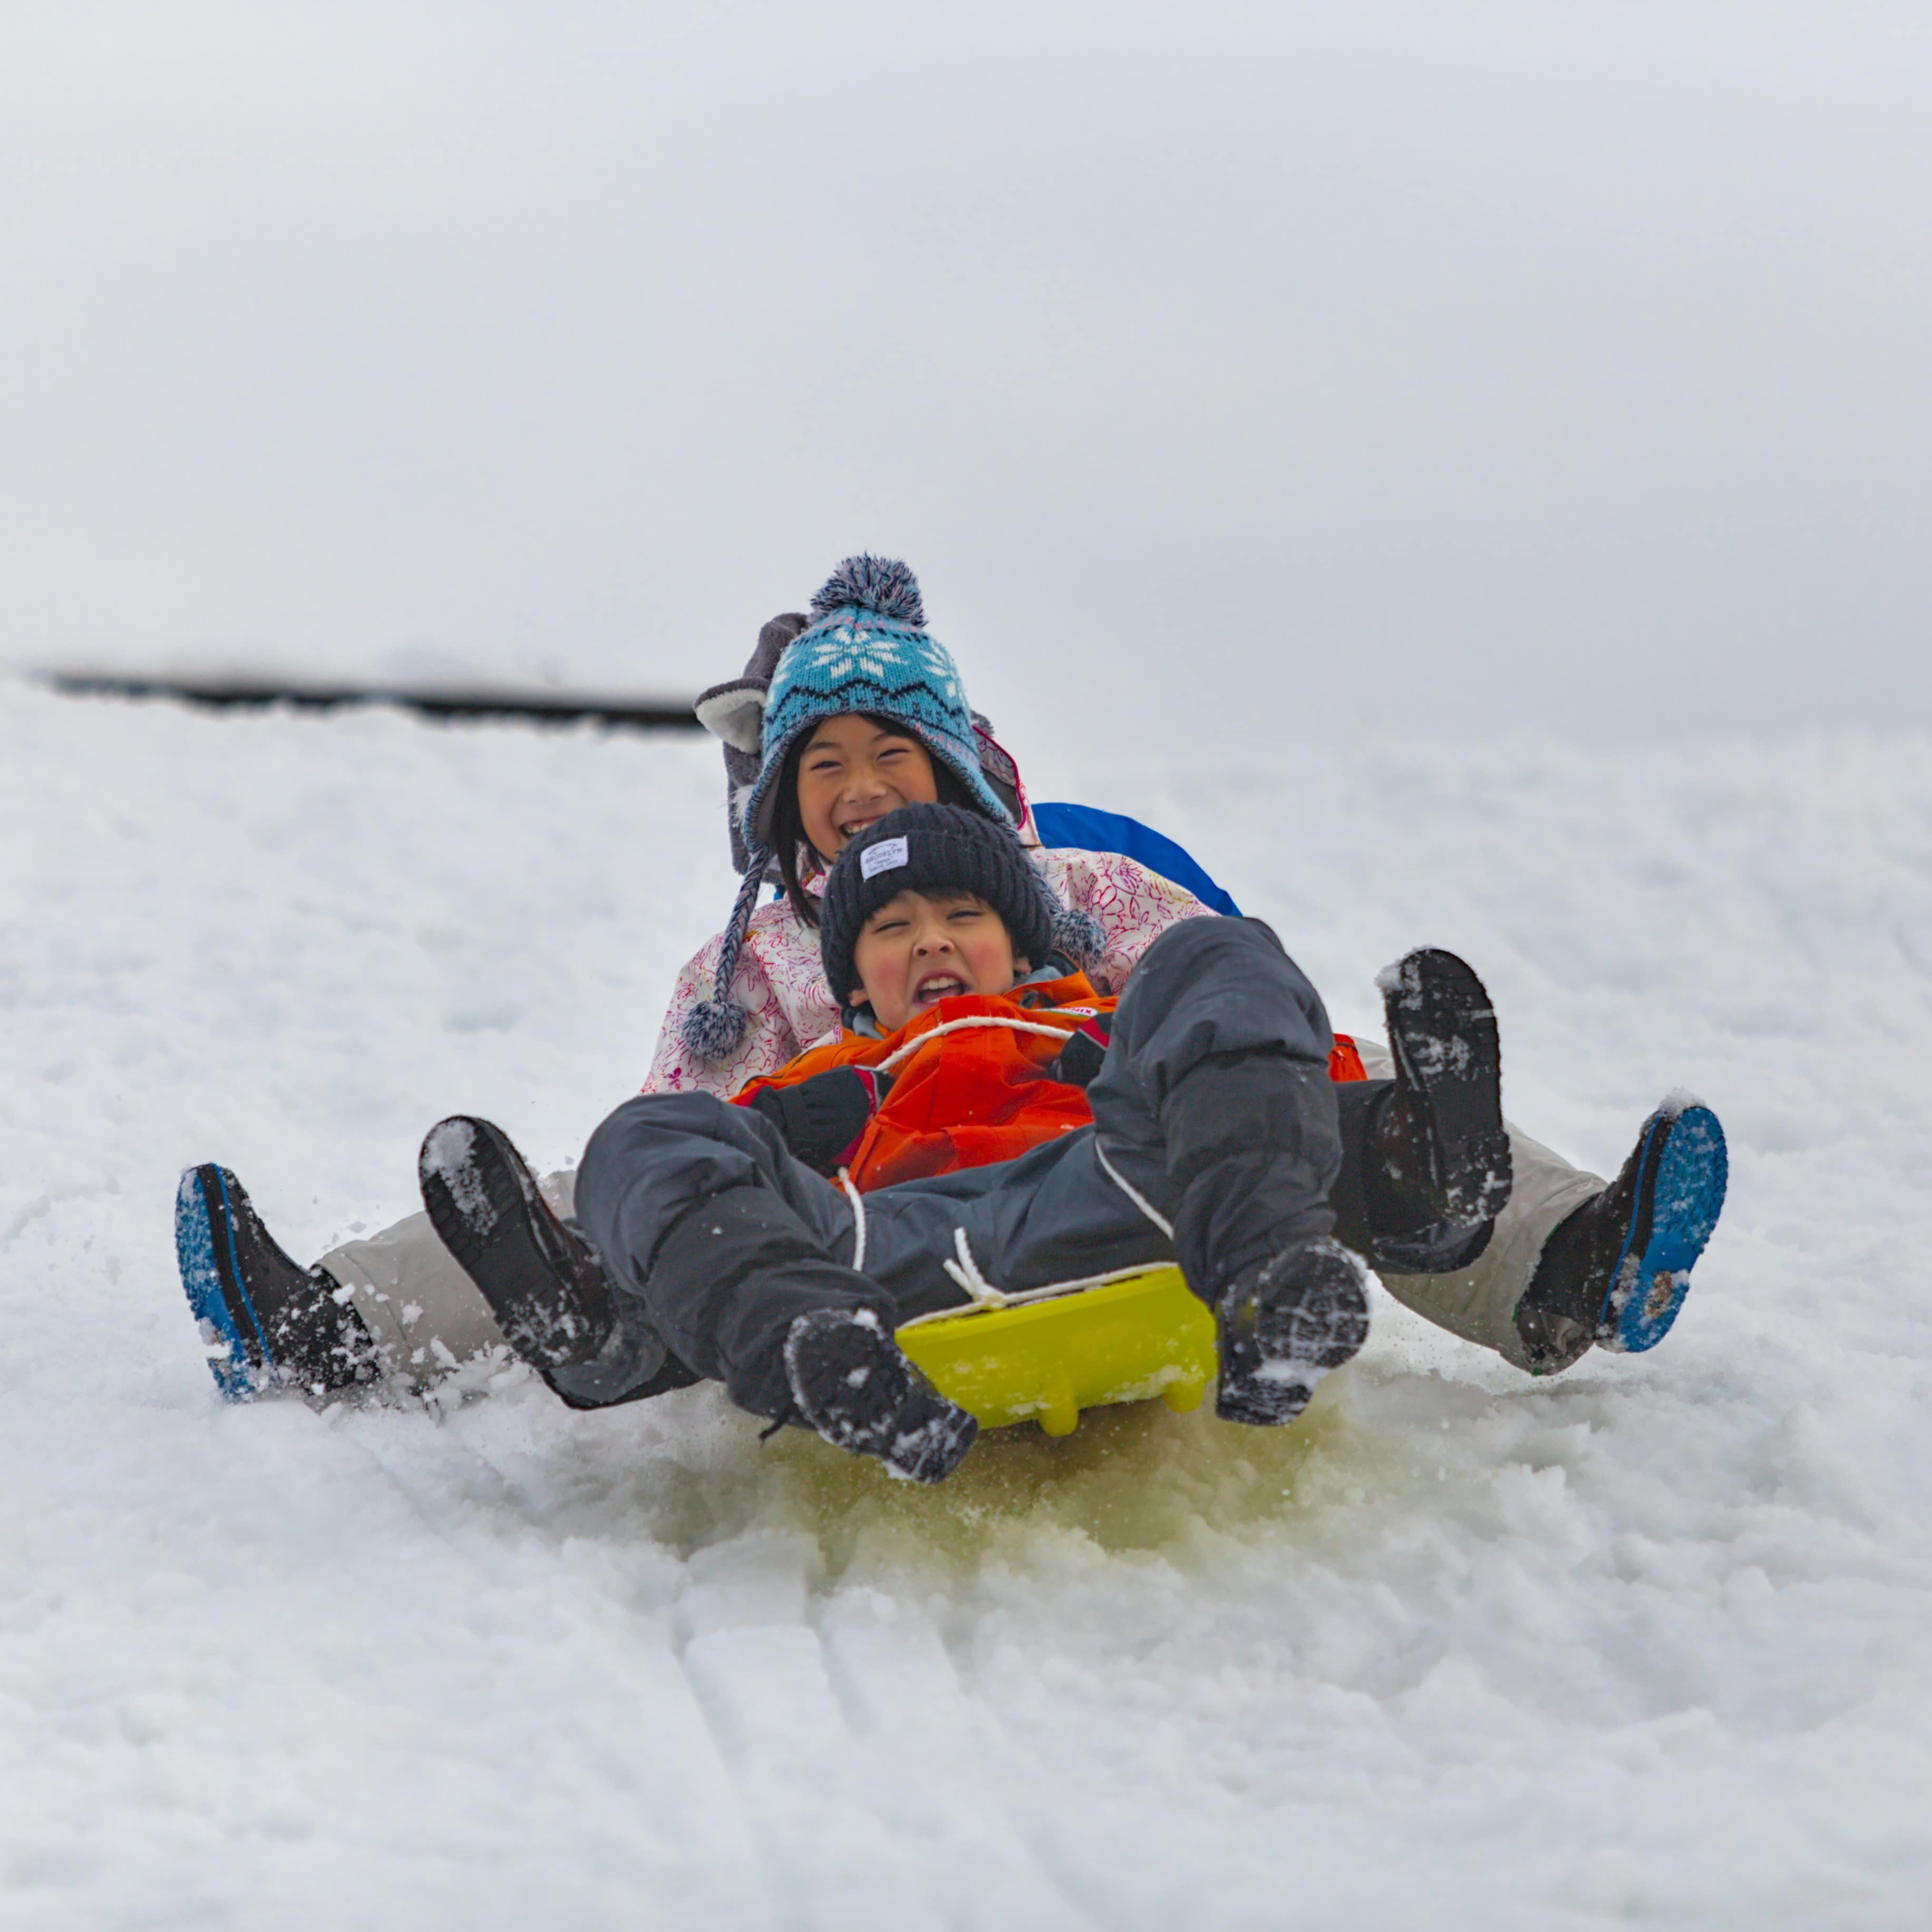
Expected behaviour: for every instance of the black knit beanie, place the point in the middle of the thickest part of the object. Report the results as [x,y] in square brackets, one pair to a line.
[935,849]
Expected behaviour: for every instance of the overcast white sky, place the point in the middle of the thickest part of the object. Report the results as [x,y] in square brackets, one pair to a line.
[1491,365]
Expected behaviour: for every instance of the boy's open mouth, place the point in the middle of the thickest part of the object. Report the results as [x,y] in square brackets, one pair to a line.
[938,986]
[849,829]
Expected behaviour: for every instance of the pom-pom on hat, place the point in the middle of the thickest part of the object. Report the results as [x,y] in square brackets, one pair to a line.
[934,849]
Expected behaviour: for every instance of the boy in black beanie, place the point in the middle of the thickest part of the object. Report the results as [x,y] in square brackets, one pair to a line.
[709,1247]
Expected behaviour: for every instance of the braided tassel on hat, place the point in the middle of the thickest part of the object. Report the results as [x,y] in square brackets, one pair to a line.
[713,1028]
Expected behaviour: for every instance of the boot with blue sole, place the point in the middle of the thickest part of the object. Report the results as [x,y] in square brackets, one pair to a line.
[1616,1272]
[269,1325]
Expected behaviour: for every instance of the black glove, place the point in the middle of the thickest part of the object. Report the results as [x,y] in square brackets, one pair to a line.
[1080,1059]
[821,1118]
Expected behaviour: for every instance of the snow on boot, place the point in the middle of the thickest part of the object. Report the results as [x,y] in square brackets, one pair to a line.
[1617,1270]
[1281,1325]
[267,1322]
[543,1279]
[1440,1136]
[854,1386]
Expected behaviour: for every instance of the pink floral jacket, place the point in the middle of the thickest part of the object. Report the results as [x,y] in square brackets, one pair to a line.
[782,985]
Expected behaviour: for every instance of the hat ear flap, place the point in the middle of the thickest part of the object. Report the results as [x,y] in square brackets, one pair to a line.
[997,768]
[734,713]
[775,639]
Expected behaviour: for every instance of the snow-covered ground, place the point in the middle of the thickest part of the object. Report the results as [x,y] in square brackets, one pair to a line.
[1651,1643]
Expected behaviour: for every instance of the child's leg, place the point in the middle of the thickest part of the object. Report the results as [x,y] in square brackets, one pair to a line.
[1214,1103]
[426,1316]
[1384,1226]
[424,1312]
[1478,1302]
[718,1238]
[705,1222]
[1214,1099]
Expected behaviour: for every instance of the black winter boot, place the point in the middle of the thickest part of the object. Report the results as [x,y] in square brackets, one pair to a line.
[1282,1325]
[854,1385]
[543,1279]
[268,1322]
[1615,1272]
[1439,1137]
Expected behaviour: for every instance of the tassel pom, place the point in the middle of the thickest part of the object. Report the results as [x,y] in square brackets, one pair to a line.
[713,1028]
[880,584]
[1078,936]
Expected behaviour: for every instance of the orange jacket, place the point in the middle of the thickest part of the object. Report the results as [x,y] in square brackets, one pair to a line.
[972,1080]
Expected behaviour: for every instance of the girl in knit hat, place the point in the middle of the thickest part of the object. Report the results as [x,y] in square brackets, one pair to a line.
[859,711]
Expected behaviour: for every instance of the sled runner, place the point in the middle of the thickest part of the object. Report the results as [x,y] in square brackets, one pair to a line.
[1044,1358]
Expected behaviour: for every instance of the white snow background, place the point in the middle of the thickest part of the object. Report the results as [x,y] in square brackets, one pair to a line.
[1650,1643]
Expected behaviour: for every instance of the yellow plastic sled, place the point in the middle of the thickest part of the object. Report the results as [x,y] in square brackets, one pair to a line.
[1045,1361]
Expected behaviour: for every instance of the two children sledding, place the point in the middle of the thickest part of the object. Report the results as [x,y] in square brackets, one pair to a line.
[995,1111]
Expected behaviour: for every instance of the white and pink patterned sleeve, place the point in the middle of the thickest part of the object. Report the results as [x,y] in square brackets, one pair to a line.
[780,984]
[1134,906]
[769,1041]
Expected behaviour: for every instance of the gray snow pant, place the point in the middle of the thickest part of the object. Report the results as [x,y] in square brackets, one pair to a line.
[1214,1103]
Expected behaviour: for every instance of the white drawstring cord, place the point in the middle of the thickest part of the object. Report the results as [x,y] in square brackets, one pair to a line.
[966,1272]
[858,1221]
[1132,1192]
[912,1046]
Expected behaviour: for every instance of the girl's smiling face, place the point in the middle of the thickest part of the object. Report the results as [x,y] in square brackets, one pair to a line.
[852,773]
[915,951]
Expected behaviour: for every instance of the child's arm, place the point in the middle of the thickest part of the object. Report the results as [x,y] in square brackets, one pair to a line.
[821,1118]
[1079,1060]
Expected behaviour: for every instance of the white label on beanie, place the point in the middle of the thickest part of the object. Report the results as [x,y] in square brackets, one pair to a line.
[885,856]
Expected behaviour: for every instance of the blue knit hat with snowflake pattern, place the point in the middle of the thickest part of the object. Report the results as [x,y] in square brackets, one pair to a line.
[866,650]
